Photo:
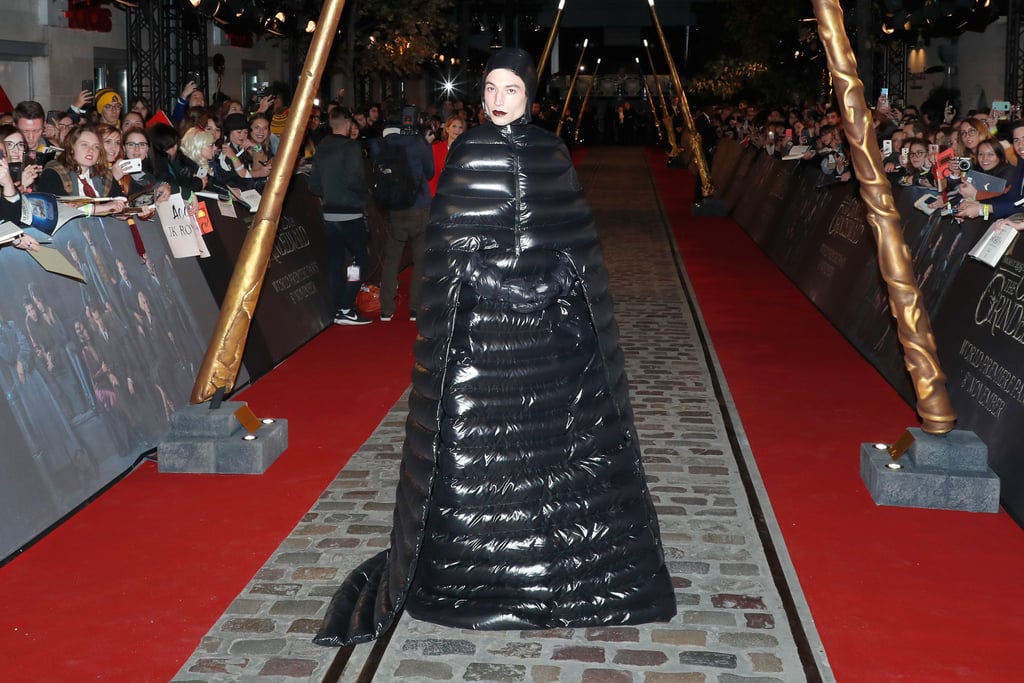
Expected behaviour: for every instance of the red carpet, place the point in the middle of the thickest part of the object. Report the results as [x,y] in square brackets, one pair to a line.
[126,589]
[897,594]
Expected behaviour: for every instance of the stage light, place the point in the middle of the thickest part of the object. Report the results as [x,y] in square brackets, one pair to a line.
[881,446]
[205,7]
[249,437]
[267,420]
[894,466]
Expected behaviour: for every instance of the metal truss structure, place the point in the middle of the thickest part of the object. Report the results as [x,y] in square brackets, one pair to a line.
[891,68]
[1014,90]
[164,44]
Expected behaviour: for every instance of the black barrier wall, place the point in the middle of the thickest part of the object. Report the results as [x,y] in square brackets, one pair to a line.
[294,304]
[816,231]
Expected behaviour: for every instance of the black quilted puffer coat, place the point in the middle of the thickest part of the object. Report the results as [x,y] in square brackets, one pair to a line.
[521,502]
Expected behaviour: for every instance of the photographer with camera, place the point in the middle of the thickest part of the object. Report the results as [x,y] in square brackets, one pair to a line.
[1004,205]
[991,161]
[972,132]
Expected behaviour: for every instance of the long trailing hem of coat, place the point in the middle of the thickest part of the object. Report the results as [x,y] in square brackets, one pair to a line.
[521,501]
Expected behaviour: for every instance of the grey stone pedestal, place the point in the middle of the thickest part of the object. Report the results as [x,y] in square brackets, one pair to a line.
[208,441]
[946,472]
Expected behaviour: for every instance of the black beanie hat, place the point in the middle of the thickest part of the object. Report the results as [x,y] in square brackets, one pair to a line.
[234,122]
[520,63]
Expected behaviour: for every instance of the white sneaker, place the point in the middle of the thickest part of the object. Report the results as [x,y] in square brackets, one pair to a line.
[350,317]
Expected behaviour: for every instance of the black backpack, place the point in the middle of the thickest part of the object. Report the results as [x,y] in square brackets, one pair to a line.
[394,188]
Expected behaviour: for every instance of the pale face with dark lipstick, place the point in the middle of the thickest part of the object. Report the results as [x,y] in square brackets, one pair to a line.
[504,96]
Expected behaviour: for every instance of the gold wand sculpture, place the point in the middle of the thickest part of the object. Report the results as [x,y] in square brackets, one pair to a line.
[650,99]
[905,299]
[543,61]
[224,355]
[707,189]
[586,98]
[666,115]
[572,88]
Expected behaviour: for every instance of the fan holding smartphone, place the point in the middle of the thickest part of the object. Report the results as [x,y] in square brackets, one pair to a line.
[23,170]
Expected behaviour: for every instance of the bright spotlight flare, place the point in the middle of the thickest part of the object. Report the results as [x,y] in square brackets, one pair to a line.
[572,88]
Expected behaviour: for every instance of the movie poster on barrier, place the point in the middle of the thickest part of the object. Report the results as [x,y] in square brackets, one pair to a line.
[763,171]
[980,335]
[91,371]
[774,192]
[804,218]
[737,189]
[839,256]
[295,287]
[723,165]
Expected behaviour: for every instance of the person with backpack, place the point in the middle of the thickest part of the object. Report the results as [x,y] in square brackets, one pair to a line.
[402,164]
[339,178]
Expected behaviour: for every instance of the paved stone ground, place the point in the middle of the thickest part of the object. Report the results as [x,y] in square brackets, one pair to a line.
[731,626]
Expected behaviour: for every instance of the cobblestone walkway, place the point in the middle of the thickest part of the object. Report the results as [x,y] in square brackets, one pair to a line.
[732,625]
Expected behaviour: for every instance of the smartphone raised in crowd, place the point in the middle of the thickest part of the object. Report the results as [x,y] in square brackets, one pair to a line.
[89,85]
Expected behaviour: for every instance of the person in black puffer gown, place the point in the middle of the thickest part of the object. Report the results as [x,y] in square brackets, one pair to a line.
[521,501]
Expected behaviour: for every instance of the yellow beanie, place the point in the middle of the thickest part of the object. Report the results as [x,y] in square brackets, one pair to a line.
[106,96]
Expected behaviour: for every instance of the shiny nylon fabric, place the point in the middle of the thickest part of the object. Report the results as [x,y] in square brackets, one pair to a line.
[521,500]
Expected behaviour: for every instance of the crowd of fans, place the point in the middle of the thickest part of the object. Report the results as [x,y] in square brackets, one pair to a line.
[89,148]
[941,151]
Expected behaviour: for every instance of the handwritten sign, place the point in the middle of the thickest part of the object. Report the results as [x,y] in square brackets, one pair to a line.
[180,228]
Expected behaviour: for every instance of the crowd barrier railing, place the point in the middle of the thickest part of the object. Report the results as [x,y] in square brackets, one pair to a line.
[816,231]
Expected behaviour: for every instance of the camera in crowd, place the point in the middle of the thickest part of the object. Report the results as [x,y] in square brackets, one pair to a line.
[410,120]
[263,90]
[962,164]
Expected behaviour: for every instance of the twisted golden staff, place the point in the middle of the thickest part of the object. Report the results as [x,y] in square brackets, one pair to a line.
[586,98]
[224,355]
[572,88]
[650,99]
[543,62]
[707,189]
[905,299]
[666,116]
